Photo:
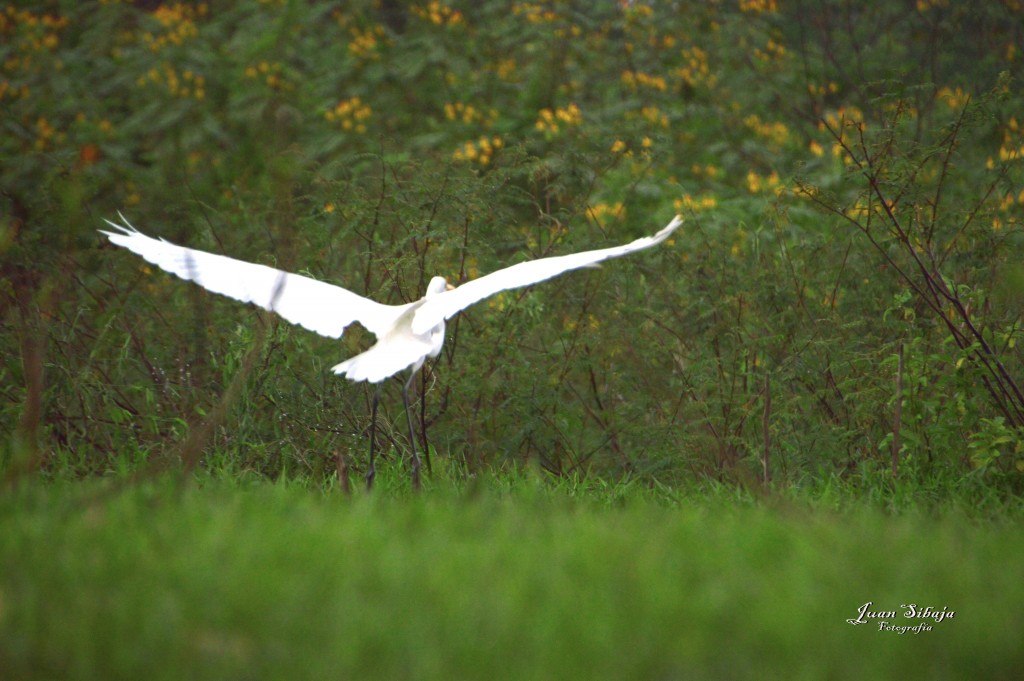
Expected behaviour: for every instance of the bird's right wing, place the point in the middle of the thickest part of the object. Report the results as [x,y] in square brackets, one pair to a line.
[445,305]
[315,305]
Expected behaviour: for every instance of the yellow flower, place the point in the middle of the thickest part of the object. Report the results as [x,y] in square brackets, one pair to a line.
[635,79]
[548,120]
[601,211]
[759,6]
[438,14]
[481,151]
[350,114]
[695,204]
[954,98]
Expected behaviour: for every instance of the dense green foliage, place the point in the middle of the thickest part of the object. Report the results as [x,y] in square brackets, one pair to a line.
[512,581]
[845,297]
[839,318]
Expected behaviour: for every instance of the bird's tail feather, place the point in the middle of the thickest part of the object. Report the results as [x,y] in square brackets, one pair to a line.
[379,362]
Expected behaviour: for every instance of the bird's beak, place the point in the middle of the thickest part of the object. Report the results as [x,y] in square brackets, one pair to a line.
[448,287]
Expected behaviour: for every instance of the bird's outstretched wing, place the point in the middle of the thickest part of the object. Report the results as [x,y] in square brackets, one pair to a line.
[315,305]
[445,305]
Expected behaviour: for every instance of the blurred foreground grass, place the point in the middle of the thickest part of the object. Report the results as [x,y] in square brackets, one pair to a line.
[523,582]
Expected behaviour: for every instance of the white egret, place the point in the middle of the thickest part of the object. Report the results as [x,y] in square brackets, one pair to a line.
[406,334]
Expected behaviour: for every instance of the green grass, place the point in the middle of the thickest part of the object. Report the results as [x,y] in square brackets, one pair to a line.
[511,580]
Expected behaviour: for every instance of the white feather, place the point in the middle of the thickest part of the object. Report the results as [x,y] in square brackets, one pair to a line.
[406,334]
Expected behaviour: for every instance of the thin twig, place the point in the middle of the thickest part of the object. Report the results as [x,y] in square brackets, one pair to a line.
[765,420]
[898,414]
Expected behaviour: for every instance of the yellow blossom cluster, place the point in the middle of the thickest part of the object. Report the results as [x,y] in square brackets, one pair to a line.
[25,34]
[759,6]
[635,79]
[89,152]
[840,122]
[438,14]
[480,151]
[820,90]
[365,42]
[11,92]
[861,209]
[177,23]
[45,134]
[505,68]
[899,109]
[772,51]
[103,125]
[549,121]
[695,204]
[653,115]
[185,84]
[620,147]
[601,212]
[1009,200]
[777,133]
[36,32]
[14,63]
[469,114]
[1007,205]
[574,30]
[843,117]
[955,98]
[1012,146]
[635,10]
[270,73]
[758,183]
[350,114]
[696,70]
[534,12]
[571,322]
[704,171]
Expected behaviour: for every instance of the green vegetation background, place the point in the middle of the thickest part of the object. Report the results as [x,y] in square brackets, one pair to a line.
[845,296]
[694,463]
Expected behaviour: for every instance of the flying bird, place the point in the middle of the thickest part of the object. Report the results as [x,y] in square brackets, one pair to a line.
[406,334]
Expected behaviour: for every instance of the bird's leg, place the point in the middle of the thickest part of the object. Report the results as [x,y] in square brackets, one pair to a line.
[371,472]
[423,414]
[415,464]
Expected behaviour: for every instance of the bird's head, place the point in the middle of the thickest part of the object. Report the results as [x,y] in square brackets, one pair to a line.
[437,285]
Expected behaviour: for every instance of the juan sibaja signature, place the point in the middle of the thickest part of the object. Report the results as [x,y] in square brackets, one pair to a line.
[886,619]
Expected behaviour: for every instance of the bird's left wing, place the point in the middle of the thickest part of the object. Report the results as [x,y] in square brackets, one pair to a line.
[315,305]
[445,305]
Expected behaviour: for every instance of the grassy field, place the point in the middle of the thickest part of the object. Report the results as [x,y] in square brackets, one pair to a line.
[502,581]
